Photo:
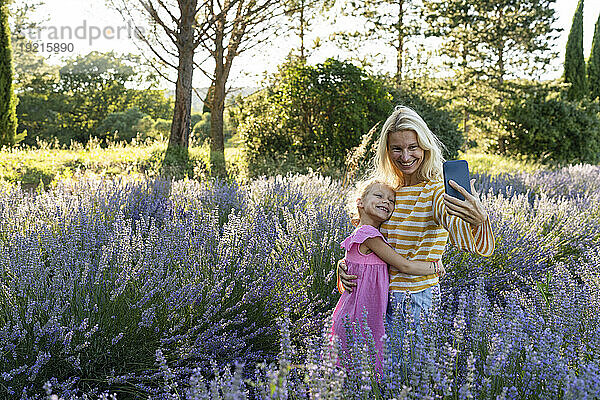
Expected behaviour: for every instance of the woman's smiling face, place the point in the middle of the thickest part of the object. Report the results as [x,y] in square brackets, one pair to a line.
[406,154]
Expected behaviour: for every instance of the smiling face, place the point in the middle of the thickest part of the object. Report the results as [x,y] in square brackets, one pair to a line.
[406,154]
[376,205]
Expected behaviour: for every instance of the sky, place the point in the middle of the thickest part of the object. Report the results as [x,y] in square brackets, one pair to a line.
[88,19]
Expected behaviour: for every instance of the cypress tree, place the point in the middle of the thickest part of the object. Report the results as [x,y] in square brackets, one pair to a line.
[593,68]
[8,101]
[574,60]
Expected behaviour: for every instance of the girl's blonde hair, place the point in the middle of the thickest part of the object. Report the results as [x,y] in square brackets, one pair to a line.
[361,189]
[406,119]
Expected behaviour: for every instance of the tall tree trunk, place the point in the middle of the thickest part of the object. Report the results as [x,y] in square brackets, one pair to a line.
[217,106]
[466,124]
[500,108]
[217,145]
[302,56]
[400,49]
[180,127]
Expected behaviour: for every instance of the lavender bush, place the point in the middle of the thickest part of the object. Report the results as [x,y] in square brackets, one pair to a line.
[187,290]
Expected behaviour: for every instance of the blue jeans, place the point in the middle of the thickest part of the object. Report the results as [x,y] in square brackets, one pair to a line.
[403,324]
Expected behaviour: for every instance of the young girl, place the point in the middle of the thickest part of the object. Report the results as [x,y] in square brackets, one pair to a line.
[368,256]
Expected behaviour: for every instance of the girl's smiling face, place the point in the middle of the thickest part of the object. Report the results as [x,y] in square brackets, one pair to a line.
[406,154]
[377,204]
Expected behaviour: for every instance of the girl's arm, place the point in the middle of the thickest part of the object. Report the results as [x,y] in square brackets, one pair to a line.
[384,251]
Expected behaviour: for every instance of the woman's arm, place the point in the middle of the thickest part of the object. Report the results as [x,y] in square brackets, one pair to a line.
[344,280]
[466,220]
[384,251]
[470,209]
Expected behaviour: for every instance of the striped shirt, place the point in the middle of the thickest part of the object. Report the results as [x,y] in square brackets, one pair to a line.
[419,229]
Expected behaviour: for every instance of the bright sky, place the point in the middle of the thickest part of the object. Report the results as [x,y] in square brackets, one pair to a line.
[95,18]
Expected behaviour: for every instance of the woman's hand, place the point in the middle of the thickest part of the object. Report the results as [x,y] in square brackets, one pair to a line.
[345,279]
[441,269]
[470,209]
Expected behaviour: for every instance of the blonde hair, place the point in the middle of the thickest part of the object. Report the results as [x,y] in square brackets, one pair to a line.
[361,189]
[406,119]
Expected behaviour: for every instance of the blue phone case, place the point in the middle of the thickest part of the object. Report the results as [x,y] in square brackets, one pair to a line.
[458,171]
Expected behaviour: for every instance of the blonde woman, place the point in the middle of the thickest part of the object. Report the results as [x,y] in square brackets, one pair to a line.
[409,158]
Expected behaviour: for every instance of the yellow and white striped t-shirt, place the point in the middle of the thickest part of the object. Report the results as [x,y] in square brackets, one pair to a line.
[418,230]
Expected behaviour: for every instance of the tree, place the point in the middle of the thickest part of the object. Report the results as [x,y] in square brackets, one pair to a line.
[301,13]
[488,41]
[309,117]
[441,122]
[8,100]
[593,68]
[94,86]
[121,125]
[173,37]
[222,30]
[574,60]
[69,104]
[30,68]
[237,28]
[393,22]
[494,39]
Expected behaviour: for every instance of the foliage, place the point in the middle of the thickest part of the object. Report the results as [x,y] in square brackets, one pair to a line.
[71,104]
[391,23]
[8,100]
[574,61]
[201,131]
[301,14]
[485,43]
[309,117]
[553,130]
[471,102]
[119,126]
[161,129]
[492,39]
[29,65]
[593,66]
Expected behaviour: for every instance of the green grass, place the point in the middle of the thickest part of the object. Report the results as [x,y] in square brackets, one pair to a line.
[46,165]
[495,164]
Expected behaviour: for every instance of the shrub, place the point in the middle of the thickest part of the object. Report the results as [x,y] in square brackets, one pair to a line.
[147,127]
[310,116]
[162,128]
[554,130]
[201,130]
[120,126]
[201,127]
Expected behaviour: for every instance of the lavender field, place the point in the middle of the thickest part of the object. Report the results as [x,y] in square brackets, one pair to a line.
[187,290]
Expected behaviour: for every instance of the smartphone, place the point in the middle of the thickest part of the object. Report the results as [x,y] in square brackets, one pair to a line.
[458,171]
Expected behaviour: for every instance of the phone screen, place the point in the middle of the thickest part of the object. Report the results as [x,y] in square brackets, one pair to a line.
[458,171]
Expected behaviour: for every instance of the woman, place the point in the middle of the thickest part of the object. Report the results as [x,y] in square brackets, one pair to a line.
[409,158]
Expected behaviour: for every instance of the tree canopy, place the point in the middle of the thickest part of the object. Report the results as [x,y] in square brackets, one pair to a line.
[593,67]
[8,100]
[574,61]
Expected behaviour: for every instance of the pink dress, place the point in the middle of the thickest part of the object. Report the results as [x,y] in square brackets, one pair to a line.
[370,293]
